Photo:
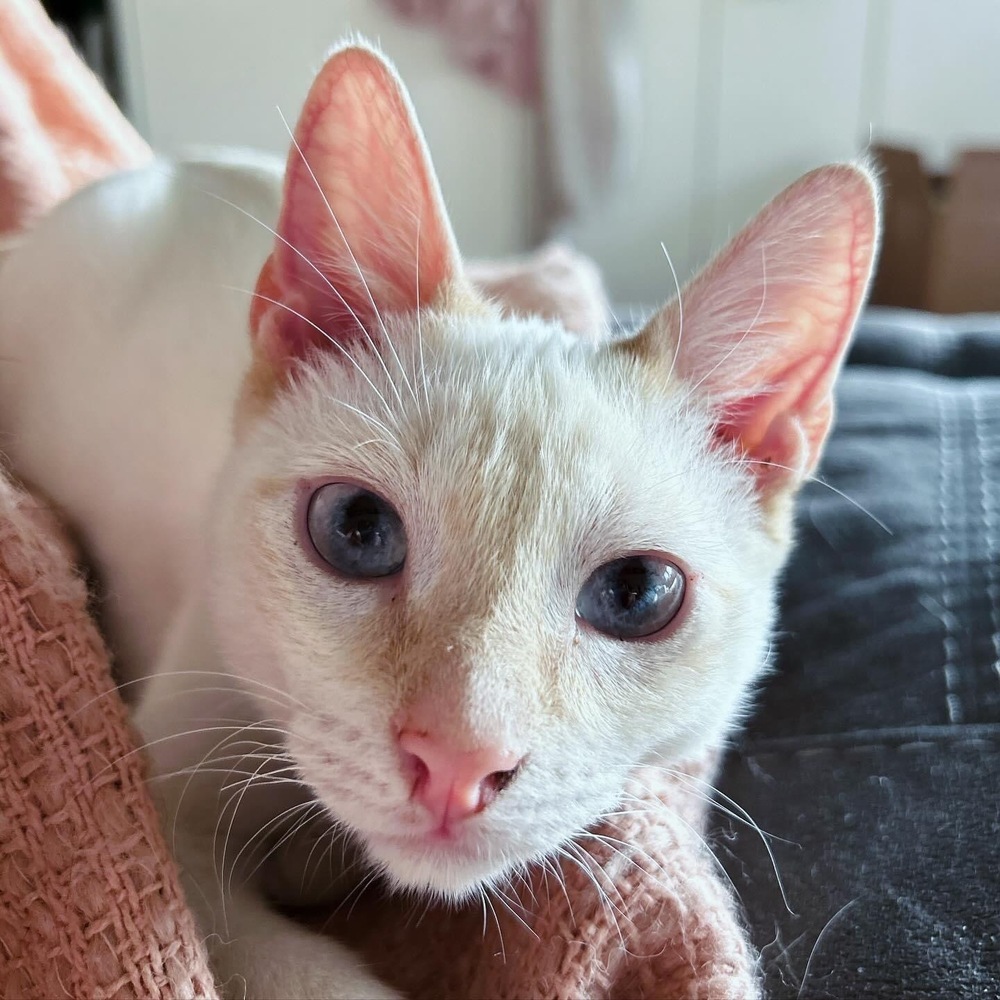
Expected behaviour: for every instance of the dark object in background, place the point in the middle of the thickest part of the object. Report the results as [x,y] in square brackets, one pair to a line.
[941,243]
[88,24]
[70,11]
[875,753]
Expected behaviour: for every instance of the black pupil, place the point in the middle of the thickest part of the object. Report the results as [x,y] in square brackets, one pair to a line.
[360,521]
[632,586]
[355,531]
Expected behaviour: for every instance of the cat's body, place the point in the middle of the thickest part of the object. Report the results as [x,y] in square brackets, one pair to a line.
[441,574]
[147,264]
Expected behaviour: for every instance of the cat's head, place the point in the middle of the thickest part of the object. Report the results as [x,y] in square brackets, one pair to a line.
[492,566]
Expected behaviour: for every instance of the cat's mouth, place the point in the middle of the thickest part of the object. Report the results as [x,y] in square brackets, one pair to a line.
[451,861]
[445,842]
[438,842]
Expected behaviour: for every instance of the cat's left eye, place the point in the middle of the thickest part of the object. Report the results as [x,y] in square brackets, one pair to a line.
[632,597]
[355,531]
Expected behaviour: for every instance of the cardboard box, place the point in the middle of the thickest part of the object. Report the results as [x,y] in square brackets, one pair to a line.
[941,245]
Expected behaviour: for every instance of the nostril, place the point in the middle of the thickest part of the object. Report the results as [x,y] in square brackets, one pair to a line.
[493,784]
[499,780]
[419,772]
[454,784]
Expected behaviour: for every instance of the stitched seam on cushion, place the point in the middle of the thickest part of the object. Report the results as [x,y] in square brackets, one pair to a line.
[947,440]
[988,732]
[985,446]
[980,745]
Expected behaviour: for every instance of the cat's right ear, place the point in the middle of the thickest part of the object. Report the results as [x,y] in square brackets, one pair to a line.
[761,333]
[362,231]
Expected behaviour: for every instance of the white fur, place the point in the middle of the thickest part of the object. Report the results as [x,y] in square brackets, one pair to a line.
[522,460]
[123,348]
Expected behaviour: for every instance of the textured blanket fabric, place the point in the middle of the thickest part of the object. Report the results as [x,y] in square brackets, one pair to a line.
[636,910]
[89,900]
[59,129]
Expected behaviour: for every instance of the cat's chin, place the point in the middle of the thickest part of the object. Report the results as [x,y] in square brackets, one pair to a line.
[448,868]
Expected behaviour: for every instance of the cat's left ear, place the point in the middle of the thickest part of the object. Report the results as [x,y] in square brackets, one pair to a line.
[362,231]
[761,333]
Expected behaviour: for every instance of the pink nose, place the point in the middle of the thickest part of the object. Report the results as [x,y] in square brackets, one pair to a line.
[456,784]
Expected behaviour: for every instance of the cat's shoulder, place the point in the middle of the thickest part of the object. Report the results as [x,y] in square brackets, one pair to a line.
[169,205]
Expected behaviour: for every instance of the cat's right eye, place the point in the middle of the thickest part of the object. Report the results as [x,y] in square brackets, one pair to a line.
[355,531]
[633,597]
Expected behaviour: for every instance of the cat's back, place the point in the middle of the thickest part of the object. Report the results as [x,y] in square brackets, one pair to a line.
[123,340]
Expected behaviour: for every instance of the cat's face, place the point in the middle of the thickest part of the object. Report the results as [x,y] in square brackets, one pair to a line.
[494,567]
[519,465]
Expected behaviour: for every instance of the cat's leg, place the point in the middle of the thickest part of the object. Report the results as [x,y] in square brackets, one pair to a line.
[256,952]
[217,776]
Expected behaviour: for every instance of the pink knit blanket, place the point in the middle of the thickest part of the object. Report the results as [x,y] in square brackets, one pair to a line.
[89,898]
[635,910]
[90,904]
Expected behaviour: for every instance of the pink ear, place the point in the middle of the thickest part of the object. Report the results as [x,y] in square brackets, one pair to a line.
[362,230]
[762,331]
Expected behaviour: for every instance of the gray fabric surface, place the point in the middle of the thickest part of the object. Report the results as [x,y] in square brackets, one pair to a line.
[875,752]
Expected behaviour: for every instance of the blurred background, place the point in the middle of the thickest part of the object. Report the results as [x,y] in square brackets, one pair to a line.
[619,124]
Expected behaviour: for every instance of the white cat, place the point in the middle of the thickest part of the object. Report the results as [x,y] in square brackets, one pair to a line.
[416,570]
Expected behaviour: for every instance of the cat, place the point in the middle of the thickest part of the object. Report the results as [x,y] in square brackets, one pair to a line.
[397,564]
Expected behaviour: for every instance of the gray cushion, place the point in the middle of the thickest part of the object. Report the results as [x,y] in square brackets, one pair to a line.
[876,748]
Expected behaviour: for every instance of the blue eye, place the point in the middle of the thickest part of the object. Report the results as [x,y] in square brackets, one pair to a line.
[632,597]
[355,531]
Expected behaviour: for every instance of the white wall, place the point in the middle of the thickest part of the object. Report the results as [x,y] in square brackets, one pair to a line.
[216,71]
[743,96]
[739,98]
[939,86]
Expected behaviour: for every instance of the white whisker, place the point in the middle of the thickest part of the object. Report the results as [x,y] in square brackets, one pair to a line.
[313,809]
[746,333]
[510,907]
[486,898]
[820,482]
[674,817]
[185,673]
[680,312]
[305,319]
[604,899]
[420,332]
[357,266]
[743,816]
[330,285]
[368,418]
[235,801]
[819,938]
